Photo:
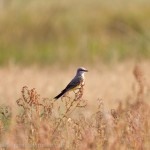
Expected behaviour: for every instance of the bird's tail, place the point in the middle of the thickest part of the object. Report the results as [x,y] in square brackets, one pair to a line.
[59,95]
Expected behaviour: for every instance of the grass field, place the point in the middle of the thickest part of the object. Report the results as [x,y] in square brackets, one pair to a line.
[42,43]
[45,31]
[112,114]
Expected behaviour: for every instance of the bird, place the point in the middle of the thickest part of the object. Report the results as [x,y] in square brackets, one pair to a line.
[75,83]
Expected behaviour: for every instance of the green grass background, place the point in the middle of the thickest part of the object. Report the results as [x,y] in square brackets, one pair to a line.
[73,31]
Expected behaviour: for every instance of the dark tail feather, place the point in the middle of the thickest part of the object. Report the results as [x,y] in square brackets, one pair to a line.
[61,94]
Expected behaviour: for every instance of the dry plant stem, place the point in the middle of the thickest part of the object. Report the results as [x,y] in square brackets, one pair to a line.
[77,98]
[64,115]
[139,76]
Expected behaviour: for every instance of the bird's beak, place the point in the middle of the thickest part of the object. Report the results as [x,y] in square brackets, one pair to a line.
[86,70]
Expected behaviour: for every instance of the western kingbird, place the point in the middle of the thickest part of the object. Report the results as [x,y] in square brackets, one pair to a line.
[77,81]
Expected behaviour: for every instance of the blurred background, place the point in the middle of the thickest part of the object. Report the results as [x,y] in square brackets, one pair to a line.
[54,32]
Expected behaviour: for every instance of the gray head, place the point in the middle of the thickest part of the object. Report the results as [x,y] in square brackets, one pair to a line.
[81,71]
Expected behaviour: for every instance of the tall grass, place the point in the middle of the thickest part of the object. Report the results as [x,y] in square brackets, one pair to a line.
[47,32]
[42,123]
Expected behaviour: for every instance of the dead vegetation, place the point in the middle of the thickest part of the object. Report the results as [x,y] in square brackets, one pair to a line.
[41,123]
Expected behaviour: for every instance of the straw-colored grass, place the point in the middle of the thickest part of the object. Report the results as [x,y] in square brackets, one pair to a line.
[112,113]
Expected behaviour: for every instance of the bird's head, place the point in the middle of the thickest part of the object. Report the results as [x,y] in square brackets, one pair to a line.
[81,71]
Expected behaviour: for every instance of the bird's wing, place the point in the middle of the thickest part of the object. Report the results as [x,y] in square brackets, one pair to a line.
[74,82]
